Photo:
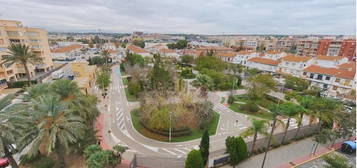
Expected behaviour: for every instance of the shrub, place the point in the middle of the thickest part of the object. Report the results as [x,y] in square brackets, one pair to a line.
[194,160]
[134,88]
[44,162]
[19,84]
[250,107]
[187,74]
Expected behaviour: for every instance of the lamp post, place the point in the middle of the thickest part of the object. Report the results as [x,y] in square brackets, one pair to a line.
[170,113]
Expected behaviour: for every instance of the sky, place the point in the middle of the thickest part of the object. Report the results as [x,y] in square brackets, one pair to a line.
[186,16]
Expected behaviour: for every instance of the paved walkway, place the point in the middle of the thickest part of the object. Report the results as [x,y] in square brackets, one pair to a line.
[287,156]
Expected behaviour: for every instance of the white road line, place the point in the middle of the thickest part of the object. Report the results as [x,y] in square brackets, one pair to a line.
[180,151]
[168,151]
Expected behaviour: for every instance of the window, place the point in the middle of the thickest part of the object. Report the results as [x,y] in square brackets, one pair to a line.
[1,41]
[287,63]
[319,77]
[304,73]
[294,64]
[13,33]
[334,88]
[35,40]
[312,75]
[337,80]
[32,33]
[327,78]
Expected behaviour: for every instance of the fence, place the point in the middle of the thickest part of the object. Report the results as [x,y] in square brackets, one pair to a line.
[140,160]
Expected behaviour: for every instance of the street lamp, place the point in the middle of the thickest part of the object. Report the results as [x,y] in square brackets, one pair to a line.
[170,113]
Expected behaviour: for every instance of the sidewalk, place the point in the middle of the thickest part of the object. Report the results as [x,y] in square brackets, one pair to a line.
[281,157]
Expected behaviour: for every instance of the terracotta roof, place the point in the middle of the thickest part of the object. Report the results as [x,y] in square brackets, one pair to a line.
[216,48]
[264,61]
[293,58]
[331,71]
[348,66]
[226,54]
[192,52]
[67,48]
[164,50]
[273,52]
[136,49]
[242,52]
[329,58]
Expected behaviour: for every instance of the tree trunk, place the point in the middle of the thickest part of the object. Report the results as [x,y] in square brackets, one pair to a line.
[286,130]
[269,141]
[254,140]
[28,75]
[60,157]
[299,125]
[9,156]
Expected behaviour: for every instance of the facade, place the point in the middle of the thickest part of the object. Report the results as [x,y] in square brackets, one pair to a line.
[243,56]
[12,32]
[294,65]
[66,52]
[307,47]
[226,56]
[323,46]
[330,61]
[348,49]
[274,55]
[169,53]
[336,82]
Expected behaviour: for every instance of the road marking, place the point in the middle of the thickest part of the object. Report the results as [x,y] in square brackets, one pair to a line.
[168,151]
[180,151]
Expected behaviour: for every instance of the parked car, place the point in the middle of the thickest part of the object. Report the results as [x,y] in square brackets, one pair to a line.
[4,162]
[348,147]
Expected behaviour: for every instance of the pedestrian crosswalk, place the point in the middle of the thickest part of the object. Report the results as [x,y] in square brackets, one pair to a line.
[178,151]
[119,119]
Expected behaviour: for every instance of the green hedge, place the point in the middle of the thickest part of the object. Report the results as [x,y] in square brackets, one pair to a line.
[44,162]
[20,84]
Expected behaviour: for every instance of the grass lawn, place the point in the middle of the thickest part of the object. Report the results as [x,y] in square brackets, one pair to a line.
[266,103]
[130,97]
[195,133]
[263,114]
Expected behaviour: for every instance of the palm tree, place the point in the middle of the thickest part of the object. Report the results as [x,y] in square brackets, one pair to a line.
[275,110]
[106,54]
[290,110]
[56,127]
[306,102]
[20,53]
[206,83]
[258,127]
[66,89]
[36,90]
[85,106]
[11,122]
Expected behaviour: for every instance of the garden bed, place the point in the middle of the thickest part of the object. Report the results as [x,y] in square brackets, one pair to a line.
[195,134]
[131,98]
[261,114]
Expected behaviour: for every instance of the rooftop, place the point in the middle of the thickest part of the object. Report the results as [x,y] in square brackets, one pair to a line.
[331,71]
[264,61]
[67,48]
[293,58]
[136,49]
[329,58]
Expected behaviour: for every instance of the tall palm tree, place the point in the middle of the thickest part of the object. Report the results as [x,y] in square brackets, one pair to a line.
[56,127]
[290,110]
[36,90]
[11,122]
[306,102]
[106,55]
[258,127]
[85,106]
[276,111]
[21,53]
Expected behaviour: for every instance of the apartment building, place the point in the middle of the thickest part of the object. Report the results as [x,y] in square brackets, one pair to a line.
[243,56]
[330,61]
[263,64]
[12,32]
[307,47]
[169,53]
[348,49]
[67,52]
[294,65]
[344,48]
[335,81]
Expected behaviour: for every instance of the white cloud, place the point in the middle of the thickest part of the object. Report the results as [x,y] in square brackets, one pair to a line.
[187,16]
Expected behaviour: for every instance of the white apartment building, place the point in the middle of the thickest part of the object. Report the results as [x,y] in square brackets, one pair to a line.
[243,56]
[274,55]
[294,65]
[263,64]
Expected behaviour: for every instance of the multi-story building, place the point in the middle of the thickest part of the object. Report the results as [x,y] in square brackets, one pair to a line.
[67,52]
[334,48]
[243,56]
[307,47]
[294,65]
[348,49]
[263,64]
[330,61]
[323,46]
[12,32]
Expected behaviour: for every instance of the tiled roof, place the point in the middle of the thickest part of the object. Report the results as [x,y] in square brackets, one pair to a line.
[216,48]
[242,52]
[67,48]
[136,49]
[264,61]
[164,50]
[329,58]
[293,58]
[273,52]
[348,66]
[192,52]
[331,71]
[226,54]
